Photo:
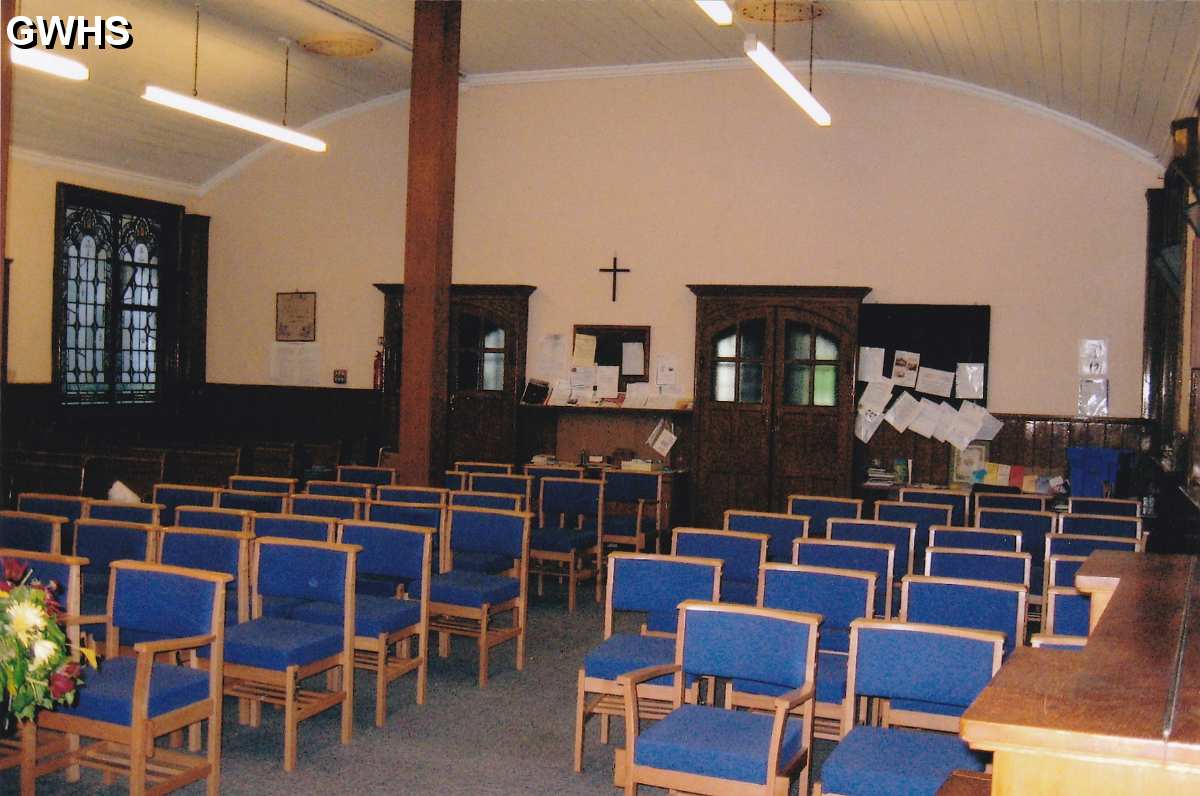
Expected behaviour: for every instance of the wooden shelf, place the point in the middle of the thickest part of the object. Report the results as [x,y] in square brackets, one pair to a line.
[604,409]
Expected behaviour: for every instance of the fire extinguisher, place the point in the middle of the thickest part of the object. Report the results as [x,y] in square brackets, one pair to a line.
[378,379]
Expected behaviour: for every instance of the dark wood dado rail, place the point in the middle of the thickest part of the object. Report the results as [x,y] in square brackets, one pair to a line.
[1120,716]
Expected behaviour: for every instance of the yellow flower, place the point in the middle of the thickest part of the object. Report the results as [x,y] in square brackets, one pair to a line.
[27,619]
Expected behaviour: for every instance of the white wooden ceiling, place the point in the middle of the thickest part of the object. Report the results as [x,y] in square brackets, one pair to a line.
[1126,67]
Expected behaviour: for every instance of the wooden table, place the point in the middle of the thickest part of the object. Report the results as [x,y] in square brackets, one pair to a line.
[1120,716]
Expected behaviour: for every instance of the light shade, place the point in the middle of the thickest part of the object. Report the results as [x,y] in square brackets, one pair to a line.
[216,113]
[718,11]
[783,77]
[48,63]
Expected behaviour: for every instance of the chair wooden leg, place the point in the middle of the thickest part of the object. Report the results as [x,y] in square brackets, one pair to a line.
[604,725]
[599,577]
[381,682]
[72,774]
[483,647]
[289,721]
[580,701]
[347,681]
[214,749]
[254,713]
[137,759]
[443,644]
[423,666]
[194,738]
[28,757]
[519,618]
[571,577]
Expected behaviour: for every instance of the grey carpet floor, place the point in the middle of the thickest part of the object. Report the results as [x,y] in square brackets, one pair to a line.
[512,737]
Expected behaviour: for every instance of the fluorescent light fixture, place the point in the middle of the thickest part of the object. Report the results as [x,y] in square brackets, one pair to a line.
[718,11]
[766,61]
[48,62]
[182,102]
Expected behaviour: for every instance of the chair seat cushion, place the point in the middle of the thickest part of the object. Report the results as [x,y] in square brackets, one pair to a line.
[714,742]
[490,563]
[880,760]
[276,644]
[372,615]
[107,694]
[459,587]
[739,591]
[561,540]
[624,652]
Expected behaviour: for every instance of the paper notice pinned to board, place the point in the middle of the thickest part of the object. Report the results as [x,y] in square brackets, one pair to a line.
[870,364]
[637,393]
[876,396]
[584,354]
[608,377]
[296,364]
[927,419]
[633,359]
[662,438]
[666,374]
[903,412]
[935,382]
[968,380]
[905,365]
[866,423]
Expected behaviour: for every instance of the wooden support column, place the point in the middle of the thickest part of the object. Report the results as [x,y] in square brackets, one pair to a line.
[7,10]
[429,239]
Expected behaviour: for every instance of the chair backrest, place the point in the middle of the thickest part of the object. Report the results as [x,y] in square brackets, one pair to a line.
[486,500]
[1000,500]
[1070,544]
[303,570]
[1101,525]
[1068,612]
[388,550]
[570,503]
[1115,507]
[872,557]
[1060,570]
[539,471]
[412,494]
[25,530]
[52,567]
[838,595]
[957,501]
[361,474]
[482,467]
[957,602]
[237,520]
[975,538]
[489,531]
[70,506]
[424,515]
[456,480]
[819,509]
[215,551]
[336,506]
[266,502]
[992,565]
[294,526]
[505,484]
[630,486]
[761,645]
[742,555]
[172,496]
[655,585]
[102,542]
[166,601]
[923,515]
[339,489]
[782,529]
[145,513]
[902,535]
[1034,526]
[262,483]
[911,661]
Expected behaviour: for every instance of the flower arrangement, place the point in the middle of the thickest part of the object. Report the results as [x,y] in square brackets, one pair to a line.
[35,668]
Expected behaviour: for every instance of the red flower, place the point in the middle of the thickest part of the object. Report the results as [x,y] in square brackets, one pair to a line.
[14,570]
[71,669]
[61,684]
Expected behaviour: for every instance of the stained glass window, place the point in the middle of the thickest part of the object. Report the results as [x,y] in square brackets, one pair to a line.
[479,356]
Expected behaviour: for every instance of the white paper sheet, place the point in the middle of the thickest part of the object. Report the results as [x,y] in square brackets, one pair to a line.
[607,381]
[1093,397]
[633,359]
[667,371]
[870,364]
[946,417]
[866,423]
[876,396]
[584,353]
[927,419]
[935,382]
[560,393]
[989,426]
[296,364]
[968,380]
[636,394]
[903,411]
[584,377]
[551,359]
[962,431]
[662,445]
[904,368]
[1093,357]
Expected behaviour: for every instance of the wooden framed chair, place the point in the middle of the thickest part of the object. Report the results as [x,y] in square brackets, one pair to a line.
[971,604]
[862,556]
[24,530]
[384,627]
[267,659]
[1060,570]
[651,587]
[171,496]
[486,500]
[633,510]
[258,502]
[706,749]
[235,520]
[1113,507]
[741,554]
[102,542]
[262,483]
[974,538]
[901,535]
[819,509]
[839,596]
[345,489]
[1078,546]
[539,471]
[929,664]
[959,502]
[1068,612]
[1101,525]
[782,529]
[131,701]
[145,513]
[506,484]
[566,543]
[337,507]
[457,481]
[362,474]
[412,494]
[423,515]
[71,507]
[294,526]
[1001,500]
[923,515]
[215,551]
[996,566]
[466,603]
[482,467]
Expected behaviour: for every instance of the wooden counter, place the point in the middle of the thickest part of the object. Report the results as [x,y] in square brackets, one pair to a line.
[1107,719]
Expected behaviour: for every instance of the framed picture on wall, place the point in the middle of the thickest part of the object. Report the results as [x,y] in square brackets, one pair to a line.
[966,464]
[295,317]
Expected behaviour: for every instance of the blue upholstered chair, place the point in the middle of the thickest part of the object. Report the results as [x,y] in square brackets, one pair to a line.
[1101,525]
[992,565]
[973,604]
[920,663]
[958,502]
[294,526]
[923,515]
[819,509]
[24,530]
[1001,500]
[870,557]
[456,481]
[1079,546]
[235,520]
[650,587]
[566,542]
[383,623]
[1068,612]
[633,510]
[412,494]
[714,750]
[102,542]
[1034,526]
[485,500]
[505,484]
[130,701]
[171,496]
[215,551]
[144,513]
[265,502]
[268,659]
[338,507]
[262,483]
[482,467]
[974,539]
[539,471]
[839,596]
[423,515]
[340,489]
[1060,570]
[361,474]
[464,602]
[782,529]
[1113,507]
[70,507]
[901,535]
[741,554]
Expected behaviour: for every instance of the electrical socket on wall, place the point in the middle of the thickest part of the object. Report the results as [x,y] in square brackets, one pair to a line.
[339,376]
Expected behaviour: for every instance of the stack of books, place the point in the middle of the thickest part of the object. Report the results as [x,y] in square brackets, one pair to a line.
[877,476]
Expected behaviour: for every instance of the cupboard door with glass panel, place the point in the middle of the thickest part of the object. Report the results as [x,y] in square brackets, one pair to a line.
[774,395]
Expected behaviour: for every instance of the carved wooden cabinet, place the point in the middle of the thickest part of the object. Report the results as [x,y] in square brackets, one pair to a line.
[774,409]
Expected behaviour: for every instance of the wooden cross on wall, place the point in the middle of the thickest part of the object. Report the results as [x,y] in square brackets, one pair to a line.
[614,271]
